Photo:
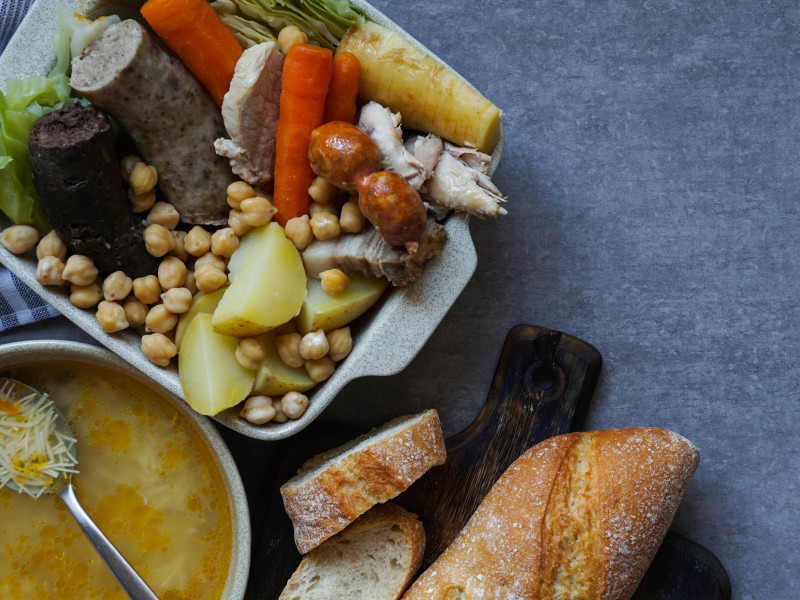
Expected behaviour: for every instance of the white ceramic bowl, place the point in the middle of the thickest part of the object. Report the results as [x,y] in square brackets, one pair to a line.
[386,341]
[42,352]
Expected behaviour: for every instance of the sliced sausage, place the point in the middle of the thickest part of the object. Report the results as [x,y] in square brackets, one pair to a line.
[170,116]
[80,186]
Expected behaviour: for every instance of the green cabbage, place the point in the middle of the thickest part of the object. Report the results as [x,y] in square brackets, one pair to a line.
[324,21]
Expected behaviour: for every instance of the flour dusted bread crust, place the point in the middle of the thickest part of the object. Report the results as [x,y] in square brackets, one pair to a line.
[577,517]
[332,489]
[374,558]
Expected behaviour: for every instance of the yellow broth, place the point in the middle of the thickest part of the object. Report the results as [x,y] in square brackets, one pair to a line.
[147,478]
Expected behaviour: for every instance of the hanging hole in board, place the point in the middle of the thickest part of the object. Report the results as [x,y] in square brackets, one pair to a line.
[542,381]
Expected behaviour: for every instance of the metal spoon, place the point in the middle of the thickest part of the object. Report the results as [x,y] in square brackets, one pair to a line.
[130,581]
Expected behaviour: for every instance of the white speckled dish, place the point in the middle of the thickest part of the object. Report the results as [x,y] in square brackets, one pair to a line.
[42,352]
[385,341]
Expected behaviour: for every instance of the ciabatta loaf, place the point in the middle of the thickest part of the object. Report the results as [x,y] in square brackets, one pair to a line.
[332,489]
[577,517]
[374,558]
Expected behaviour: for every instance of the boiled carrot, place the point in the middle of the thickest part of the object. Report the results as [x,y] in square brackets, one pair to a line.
[341,102]
[304,86]
[194,32]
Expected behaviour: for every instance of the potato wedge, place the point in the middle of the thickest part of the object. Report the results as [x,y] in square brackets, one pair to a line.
[428,94]
[275,378]
[321,311]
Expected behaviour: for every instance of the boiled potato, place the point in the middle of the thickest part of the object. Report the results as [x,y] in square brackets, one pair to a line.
[204,302]
[428,94]
[211,377]
[321,311]
[268,284]
[275,378]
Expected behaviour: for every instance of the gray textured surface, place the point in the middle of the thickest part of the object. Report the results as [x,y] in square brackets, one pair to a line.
[651,166]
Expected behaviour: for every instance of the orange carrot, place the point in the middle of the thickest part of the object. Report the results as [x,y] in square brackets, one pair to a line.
[341,102]
[194,32]
[304,86]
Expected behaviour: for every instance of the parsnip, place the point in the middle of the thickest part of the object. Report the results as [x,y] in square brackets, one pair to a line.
[428,94]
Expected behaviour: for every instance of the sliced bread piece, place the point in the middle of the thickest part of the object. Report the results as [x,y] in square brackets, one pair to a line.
[332,489]
[374,558]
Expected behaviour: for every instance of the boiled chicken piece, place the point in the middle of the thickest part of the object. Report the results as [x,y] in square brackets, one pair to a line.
[460,182]
[367,253]
[250,114]
[383,126]
[427,149]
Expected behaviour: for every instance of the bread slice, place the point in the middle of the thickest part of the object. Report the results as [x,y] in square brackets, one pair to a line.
[577,517]
[334,488]
[374,558]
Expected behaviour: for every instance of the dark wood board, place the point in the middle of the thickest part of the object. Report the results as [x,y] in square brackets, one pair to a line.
[542,387]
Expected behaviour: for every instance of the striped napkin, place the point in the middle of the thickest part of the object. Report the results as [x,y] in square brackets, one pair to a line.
[18,303]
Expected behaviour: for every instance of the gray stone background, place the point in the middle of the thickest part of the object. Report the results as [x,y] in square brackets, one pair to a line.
[651,167]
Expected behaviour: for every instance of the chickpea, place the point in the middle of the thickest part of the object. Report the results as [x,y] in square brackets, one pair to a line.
[209,278]
[51,245]
[280,416]
[316,208]
[334,281]
[224,242]
[288,346]
[143,178]
[249,352]
[135,311]
[237,222]
[159,319]
[298,230]
[294,404]
[314,345]
[257,211]
[209,258]
[164,214]
[325,226]
[117,286]
[289,36]
[158,240]
[177,300]
[190,283]
[85,296]
[258,410]
[197,241]
[19,238]
[158,349]
[128,163]
[147,289]
[171,273]
[320,369]
[322,191]
[80,270]
[351,220]
[111,316]
[238,191]
[340,343]
[141,202]
[49,270]
[179,250]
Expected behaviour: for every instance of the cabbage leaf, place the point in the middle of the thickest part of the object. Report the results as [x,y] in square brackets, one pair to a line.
[324,21]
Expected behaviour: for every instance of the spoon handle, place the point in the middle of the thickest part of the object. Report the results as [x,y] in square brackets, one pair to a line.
[130,581]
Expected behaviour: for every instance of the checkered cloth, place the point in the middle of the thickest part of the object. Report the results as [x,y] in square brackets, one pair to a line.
[18,303]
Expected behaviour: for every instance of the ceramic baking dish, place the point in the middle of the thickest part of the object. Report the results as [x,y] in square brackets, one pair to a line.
[385,340]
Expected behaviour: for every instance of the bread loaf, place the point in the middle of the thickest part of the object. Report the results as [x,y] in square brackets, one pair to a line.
[577,517]
[332,489]
[374,558]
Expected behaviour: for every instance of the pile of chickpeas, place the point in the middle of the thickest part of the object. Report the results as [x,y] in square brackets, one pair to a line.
[196,261]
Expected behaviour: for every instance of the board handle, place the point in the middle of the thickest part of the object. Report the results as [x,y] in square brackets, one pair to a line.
[542,387]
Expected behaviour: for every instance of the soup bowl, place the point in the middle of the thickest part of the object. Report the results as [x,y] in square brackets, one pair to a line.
[156,477]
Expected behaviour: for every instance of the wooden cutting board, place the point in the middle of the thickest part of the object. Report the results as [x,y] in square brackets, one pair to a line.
[542,387]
